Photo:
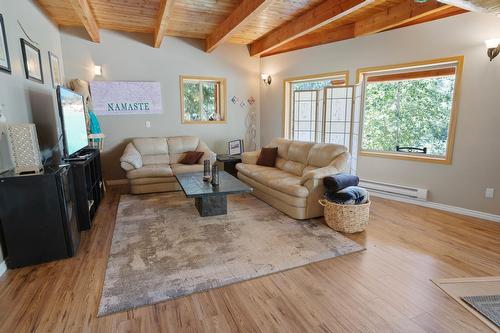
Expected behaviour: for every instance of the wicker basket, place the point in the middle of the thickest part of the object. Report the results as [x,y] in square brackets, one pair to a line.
[346,218]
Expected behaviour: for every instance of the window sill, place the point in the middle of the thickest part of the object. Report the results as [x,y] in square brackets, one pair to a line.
[408,157]
[204,122]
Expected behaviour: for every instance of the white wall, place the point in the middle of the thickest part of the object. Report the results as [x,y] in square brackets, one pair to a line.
[130,57]
[25,100]
[476,161]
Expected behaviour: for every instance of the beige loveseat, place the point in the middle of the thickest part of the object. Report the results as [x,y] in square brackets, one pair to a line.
[152,163]
[295,184]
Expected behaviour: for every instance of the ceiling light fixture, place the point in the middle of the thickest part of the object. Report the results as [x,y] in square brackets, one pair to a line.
[493,46]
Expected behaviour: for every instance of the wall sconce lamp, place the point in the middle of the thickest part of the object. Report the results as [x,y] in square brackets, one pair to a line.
[267,79]
[97,70]
[493,46]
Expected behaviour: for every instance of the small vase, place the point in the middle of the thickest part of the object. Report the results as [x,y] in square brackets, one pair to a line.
[206,170]
[215,175]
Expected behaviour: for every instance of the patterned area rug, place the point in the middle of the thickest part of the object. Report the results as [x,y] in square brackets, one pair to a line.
[488,306]
[162,249]
[473,289]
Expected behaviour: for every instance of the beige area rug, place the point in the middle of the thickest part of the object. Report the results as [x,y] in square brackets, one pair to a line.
[474,286]
[162,249]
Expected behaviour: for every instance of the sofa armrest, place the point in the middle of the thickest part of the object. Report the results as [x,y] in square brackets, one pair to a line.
[250,157]
[341,162]
[207,153]
[317,175]
[131,158]
[314,178]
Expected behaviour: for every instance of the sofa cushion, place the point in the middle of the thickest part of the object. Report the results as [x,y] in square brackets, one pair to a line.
[283,145]
[152,150]
[293,167]
[322,154]
[268,156]
[299,151]
[275,178]
[280,162]
[191,157]
[153,170]
[151,146]
[308,168]
[284,198]
[179,145]
[185,168]
[155,159]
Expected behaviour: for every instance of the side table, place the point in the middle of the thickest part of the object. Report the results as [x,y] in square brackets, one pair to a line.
[229,162]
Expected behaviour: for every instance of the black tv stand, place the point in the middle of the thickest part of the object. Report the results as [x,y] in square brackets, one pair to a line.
[89,186]
[82,156]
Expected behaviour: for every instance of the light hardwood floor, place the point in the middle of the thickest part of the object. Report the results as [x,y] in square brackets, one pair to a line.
[385,288]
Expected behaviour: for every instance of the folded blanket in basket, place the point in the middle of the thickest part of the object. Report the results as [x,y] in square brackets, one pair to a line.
[339,182]
[352,195]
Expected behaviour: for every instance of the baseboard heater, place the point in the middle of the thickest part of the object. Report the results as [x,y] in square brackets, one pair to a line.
[394,190]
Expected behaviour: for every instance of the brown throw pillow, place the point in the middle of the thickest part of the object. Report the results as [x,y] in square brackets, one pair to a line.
[191,157]
[268,156]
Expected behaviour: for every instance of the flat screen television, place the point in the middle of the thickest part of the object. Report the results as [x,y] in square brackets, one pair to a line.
[72,113]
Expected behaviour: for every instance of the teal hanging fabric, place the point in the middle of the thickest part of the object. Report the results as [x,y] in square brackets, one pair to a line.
[95,128]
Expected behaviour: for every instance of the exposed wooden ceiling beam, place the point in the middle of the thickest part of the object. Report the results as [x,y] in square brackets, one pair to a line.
[403,14]
[323,14]
[397,15]
[162,22]
[242,14]
[315,38]
[84,13]
[436,15]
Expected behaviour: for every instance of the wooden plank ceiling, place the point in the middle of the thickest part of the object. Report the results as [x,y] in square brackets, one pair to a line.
[267,26]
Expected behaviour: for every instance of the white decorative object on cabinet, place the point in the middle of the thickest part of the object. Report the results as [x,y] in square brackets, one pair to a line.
[24,149]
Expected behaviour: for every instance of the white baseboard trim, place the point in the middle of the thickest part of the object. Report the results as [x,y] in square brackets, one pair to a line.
[3,267]
[116,182]
[440,206]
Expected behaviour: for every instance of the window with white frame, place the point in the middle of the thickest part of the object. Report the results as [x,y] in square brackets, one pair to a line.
[202,99]
[409,111]
[317,108]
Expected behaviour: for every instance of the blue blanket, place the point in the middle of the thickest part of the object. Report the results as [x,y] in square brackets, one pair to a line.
[352,195]
[339,182]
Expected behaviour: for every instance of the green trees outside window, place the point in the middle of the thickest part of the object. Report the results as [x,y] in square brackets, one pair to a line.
[201,100]
[408,113]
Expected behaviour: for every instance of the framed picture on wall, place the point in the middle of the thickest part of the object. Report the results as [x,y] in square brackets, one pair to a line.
[4,50]
[235,147]
[32,61]
[55,70]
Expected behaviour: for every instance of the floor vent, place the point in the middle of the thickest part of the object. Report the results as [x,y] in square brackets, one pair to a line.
[394,190]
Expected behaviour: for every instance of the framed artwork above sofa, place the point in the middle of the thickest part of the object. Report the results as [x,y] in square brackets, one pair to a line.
[4,50]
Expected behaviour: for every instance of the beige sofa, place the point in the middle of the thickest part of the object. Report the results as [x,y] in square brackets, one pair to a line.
[295,184]
[152,163]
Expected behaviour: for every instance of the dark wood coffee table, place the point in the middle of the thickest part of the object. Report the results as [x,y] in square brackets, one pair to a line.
[209,200]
